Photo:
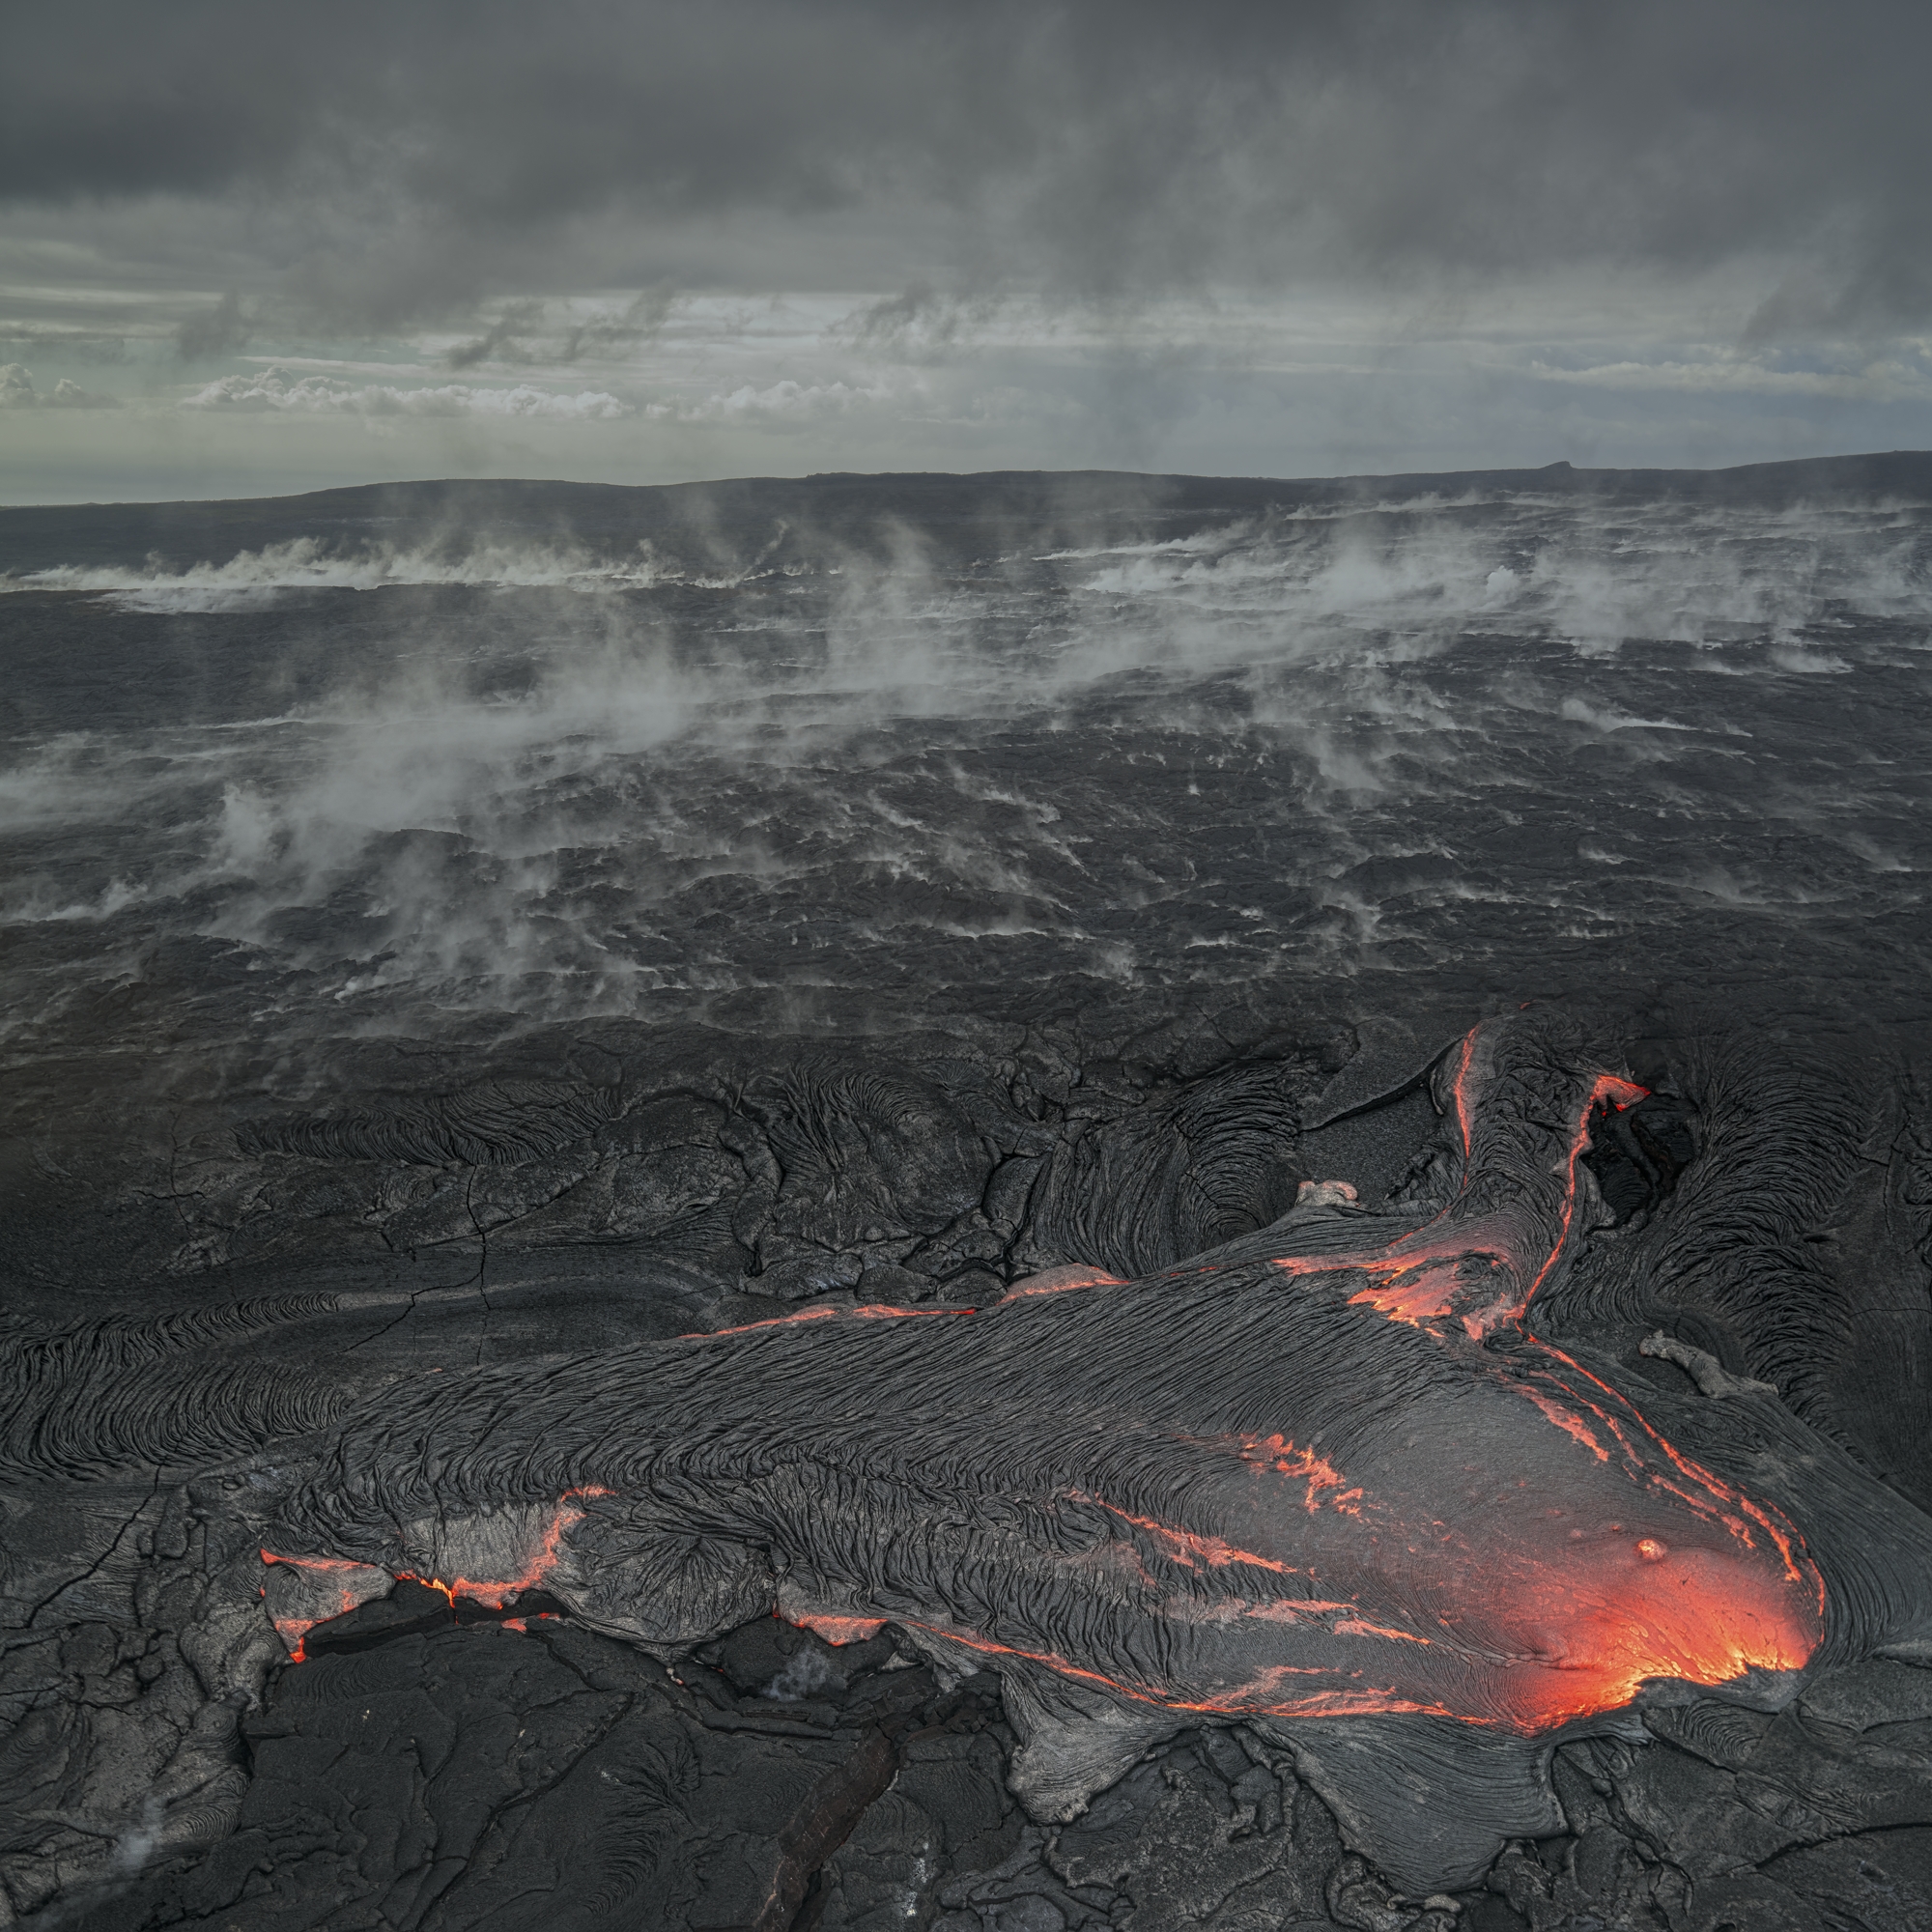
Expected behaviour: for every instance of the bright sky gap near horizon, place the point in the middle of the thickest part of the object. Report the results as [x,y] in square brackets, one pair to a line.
[248,251]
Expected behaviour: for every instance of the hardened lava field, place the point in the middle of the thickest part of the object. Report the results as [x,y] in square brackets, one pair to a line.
[985,1202]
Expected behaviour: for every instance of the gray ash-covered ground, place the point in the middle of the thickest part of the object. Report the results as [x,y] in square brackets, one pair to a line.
[457,929]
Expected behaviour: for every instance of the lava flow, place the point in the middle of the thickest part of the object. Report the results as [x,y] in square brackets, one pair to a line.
[1374,1494]
[325,1587]
[1521,1565]
[331,1586]
[1517,1586]
[1480,1267]
[1597,1612]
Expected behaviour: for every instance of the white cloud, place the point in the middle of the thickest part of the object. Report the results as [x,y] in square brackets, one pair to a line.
[1887,380]
[781,404]
[275,391]
[17,393]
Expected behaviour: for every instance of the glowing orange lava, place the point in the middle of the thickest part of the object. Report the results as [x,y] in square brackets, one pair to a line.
[1462,1087]
[1260,1695]
[838,1629]
[371,1581]
[1185,1547]
[1609,1090]
[1418,1277]
[1286,1460]
[1555,1633]
[293,1630]
[1474,1569]
[494,1595]
[1059,1281]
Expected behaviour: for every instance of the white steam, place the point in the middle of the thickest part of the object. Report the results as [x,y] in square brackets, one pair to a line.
[645,811]
[257,578]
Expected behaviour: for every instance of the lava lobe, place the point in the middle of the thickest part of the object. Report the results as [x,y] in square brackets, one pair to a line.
[1323,1472]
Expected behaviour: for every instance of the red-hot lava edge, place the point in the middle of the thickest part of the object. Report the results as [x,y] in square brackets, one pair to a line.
[357,1583]
[1656,1613]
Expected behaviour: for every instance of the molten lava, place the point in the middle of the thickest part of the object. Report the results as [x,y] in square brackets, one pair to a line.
[331,1586]
[1374,1492]
[1554,1585]
[840,1630]
[353,1584]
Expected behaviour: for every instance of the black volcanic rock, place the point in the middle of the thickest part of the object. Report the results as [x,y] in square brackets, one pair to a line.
[476,961]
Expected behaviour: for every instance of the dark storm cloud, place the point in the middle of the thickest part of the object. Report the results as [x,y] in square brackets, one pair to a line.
[385,164]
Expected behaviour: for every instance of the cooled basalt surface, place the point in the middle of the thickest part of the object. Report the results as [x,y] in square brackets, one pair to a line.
[675,1254]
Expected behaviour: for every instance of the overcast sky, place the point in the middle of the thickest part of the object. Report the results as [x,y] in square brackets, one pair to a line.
[249,248]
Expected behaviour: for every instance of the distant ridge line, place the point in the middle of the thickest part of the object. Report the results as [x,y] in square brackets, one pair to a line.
[956,509]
